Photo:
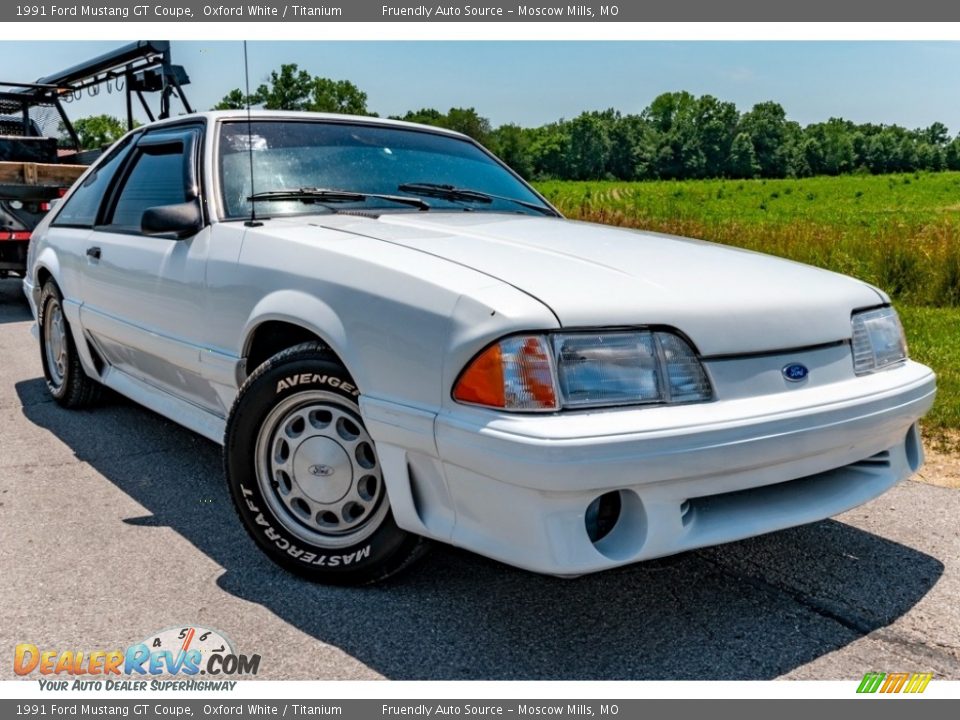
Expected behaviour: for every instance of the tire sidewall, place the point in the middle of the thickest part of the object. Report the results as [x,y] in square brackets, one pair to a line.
[274,385]
[51,293]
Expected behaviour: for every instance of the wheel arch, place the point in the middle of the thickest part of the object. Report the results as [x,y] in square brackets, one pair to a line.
[287,318]
[42,276]
[46,267]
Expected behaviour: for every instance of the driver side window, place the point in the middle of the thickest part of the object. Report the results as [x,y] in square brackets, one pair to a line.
[156,178]
[162,171]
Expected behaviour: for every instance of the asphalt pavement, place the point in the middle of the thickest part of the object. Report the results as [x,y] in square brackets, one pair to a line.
[116,523]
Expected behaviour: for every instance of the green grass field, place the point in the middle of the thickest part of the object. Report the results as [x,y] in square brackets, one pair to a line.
[900,232]
[934,338]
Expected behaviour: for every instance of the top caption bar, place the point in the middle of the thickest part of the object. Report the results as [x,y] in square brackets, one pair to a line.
[484,11]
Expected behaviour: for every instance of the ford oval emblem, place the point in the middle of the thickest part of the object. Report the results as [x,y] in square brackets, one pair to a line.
[320,470]
[795,372]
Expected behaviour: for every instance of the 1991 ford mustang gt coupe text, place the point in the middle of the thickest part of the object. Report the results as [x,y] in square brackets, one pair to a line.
[395,338]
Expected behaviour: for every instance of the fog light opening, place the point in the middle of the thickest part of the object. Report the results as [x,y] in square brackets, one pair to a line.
[602,515]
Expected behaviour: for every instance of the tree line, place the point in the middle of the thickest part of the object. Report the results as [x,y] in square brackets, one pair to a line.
[677,136]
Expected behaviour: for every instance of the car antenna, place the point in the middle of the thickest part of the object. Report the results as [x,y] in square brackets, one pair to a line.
[252,222]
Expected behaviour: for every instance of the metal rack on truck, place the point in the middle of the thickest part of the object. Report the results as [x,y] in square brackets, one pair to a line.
[40,153]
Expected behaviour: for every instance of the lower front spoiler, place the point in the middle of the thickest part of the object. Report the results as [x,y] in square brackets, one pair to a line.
[547,532]
[525,502]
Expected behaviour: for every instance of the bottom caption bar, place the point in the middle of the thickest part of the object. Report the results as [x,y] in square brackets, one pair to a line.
[786,709]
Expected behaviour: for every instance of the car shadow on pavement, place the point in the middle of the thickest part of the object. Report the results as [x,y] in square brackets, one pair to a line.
[750,610]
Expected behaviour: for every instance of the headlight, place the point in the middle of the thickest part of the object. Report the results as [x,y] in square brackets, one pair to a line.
[878,340]
[580,370]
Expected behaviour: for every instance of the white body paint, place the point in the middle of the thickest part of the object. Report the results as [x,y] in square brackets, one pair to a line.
[407,299]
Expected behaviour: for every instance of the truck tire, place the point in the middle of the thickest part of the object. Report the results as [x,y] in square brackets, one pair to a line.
[66,379]
[304,473]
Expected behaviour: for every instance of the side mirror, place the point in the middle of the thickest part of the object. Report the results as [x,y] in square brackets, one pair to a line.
[181,220]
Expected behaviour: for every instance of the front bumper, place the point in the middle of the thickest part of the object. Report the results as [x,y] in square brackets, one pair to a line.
[516,488]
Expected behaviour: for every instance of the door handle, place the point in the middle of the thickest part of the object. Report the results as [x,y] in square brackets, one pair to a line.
[93,252]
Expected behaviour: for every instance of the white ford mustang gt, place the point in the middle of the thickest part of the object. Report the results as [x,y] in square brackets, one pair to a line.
[395,338]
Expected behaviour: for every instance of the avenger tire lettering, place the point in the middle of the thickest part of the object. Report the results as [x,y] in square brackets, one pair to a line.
[296,411]
[315,379]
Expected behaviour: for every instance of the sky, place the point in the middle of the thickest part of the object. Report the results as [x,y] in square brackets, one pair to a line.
[536,82]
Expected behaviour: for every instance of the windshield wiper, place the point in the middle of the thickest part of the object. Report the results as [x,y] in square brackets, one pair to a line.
[451,192]
[328,195]
[447,192]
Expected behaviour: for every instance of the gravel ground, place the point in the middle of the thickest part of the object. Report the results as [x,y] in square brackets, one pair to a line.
[942,468]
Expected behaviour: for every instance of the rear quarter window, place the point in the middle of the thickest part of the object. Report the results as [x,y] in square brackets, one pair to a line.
[83,206]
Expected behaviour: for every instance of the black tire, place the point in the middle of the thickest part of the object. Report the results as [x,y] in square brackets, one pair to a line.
[66,379]
[289,413]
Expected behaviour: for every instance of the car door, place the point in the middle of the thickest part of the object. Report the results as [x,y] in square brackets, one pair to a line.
[143,292]
[73,222]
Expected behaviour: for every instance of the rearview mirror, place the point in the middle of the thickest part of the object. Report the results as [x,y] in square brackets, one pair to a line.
[181,220]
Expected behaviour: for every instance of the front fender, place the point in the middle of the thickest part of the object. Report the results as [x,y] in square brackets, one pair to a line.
[304,310]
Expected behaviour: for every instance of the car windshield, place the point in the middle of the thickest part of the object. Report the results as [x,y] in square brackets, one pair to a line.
[328,166]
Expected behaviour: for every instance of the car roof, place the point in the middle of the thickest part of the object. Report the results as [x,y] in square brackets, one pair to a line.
[220,115]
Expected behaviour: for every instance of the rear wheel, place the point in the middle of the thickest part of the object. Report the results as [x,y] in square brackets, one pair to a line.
[305,476]
[66,380]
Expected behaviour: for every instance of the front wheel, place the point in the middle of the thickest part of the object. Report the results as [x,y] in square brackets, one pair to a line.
[304,473]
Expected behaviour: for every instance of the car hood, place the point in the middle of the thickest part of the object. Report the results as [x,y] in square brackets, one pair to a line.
[727,300]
